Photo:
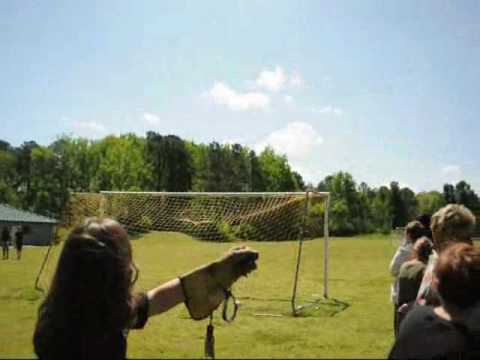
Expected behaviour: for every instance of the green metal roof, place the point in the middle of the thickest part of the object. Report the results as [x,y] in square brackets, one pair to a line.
[13,215]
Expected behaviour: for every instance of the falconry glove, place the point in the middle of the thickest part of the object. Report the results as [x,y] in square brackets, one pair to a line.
[207,286]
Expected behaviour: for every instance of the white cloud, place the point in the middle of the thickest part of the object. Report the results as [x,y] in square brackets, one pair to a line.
[452,173]
[232,141]
[272,80]
[277,79]
[297,140]
[328,110]
[288,99]
[89,129]
[151,119]
[310,174]
[296,80]
[222,94]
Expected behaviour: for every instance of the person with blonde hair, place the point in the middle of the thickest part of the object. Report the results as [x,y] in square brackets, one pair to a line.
[91,305]
[451,224]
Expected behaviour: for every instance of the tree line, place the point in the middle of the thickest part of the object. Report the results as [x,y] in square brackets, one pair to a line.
[360,208]
[40,178]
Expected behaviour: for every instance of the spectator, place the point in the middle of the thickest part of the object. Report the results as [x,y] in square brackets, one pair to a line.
[451,330]
[450,225]
[410,276]
[413,231]
[19,241]
[91,306]
[5,242]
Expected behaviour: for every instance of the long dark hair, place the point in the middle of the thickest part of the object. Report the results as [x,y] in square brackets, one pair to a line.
[90,296]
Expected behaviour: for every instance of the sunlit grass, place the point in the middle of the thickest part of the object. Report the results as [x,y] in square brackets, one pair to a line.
[355,323]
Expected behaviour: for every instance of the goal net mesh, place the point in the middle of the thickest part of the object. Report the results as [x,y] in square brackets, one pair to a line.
[209,216]
[288,266]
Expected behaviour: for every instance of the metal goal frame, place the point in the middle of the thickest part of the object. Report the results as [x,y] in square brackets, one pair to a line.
[295,307]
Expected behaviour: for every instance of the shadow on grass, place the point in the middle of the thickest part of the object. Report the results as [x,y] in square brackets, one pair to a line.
[322,308]
[319,307]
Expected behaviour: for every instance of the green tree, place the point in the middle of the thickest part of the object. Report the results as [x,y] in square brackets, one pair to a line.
[257,176]
[24,176]
[170,161]
[240,165]
[277,171]
[299,183]
[449,193]
[346,212]
[382,210]
[198,152]
[49,193]
[78,161]
[429,202]
[465,195]
[121,164]
[402,202]
[409,203]
[8,175]
[217,169]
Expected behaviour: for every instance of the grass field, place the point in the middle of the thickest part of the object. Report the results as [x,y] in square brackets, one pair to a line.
[359,327]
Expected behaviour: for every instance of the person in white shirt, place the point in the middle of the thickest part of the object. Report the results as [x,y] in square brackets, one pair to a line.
[413,231]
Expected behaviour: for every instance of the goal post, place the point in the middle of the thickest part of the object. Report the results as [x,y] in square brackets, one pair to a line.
[218,216]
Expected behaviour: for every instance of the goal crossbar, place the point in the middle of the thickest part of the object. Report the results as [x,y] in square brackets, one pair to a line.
[215,194]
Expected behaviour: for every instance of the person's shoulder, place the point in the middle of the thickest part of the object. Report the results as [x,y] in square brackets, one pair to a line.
[404,268]
[419,316]
[411,267]
[414,329]
[422,311]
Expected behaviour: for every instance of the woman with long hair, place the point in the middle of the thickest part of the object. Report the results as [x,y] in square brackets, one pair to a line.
[91,306]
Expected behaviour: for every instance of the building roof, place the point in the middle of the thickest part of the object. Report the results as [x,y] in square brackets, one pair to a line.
[13,215]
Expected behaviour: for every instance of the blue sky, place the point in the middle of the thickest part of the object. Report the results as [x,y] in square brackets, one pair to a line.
[384,90]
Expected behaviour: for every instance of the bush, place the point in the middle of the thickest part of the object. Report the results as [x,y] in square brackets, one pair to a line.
[226,231]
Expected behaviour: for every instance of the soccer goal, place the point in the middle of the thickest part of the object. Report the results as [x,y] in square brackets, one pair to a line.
[218,216]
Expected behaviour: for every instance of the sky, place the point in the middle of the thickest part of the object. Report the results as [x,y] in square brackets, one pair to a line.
[386,90]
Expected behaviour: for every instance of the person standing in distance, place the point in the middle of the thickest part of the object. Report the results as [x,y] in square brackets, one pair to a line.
[5,242]
[19,241]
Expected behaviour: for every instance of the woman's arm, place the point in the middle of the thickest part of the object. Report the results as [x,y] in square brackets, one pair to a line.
[204,288]
[165,297]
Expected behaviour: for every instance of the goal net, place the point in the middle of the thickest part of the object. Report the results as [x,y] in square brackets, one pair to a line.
[222,217]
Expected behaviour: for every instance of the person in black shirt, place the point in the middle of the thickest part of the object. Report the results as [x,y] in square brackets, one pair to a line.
[5,242]
[19,242]
[91,306]
[452,330]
